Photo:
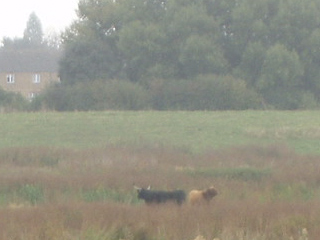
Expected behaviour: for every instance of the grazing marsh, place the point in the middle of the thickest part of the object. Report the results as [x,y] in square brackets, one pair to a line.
[71,175]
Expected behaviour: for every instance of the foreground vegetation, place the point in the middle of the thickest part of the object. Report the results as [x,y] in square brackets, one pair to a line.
[264,193]
[71,175]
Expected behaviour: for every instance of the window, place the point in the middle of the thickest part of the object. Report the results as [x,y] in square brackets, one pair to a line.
[36,78]
[10,78]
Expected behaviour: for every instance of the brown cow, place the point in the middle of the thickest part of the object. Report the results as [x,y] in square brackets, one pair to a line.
[202,196]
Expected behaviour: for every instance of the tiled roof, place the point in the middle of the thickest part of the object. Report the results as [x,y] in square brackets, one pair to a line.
[29,61]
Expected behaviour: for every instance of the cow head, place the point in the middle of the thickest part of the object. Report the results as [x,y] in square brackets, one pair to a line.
[139,188]
[210,193]
[142,192]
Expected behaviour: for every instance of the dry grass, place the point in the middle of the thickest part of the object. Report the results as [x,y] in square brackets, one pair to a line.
[88,194]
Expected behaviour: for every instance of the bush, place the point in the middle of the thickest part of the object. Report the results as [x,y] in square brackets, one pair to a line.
[96,95]
[226,93]
[171,94]
[55,97]
[104,194]
[290,99]
[207,92]
[31,193]
[10,101]
[124,95]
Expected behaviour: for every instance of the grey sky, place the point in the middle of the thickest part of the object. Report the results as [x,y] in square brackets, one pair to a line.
[54,15]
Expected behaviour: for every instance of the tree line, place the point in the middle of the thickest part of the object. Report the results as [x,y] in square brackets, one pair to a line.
[190,55]
[271,48]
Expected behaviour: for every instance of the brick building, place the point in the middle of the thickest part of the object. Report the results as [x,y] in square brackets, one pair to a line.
[28,71]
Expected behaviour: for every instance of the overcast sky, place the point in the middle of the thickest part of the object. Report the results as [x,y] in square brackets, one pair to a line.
[54,15]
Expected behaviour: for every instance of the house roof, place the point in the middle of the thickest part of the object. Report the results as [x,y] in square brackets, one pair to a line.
[38,60]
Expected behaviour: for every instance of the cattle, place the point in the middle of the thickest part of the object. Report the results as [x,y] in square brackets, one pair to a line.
[197,197]
[151,196]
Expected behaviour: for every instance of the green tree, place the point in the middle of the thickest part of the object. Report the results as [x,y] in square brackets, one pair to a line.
[251,63]
[281,77]
[271,45]
[141,45]
[250,20]
[200,55]
[146,38]
[281,68]
[90,44]
[311,60]
[88,61]
[33,33]
[294,22]
[191,31]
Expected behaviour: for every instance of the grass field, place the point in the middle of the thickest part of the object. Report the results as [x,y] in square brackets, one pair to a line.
[70,176]
[195,131]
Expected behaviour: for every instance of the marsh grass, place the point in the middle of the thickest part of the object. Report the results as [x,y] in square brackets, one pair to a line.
[265,193]
[241,173]
[103,194]
[32,156]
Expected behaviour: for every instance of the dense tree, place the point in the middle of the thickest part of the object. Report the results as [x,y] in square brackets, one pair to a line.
[311,61]
[53,40]
[281,69]
[141,45]
[251,63]
[33,38]
[294,22]
[33,33]
[270,45]
[151,36]
[199,55]
[90,44]
[88,60]
[281,77]
[191,40]
[13,44]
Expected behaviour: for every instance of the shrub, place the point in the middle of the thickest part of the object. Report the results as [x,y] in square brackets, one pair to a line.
[96,95]
[123,95]
[31,193]
[95,234]
[225,92]
[171,95]
[207,92]
[104,194]
[290,99]
[12,101]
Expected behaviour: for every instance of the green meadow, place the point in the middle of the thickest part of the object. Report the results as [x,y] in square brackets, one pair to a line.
[195,131]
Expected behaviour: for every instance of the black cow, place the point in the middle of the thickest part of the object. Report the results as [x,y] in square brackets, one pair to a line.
[150,196]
